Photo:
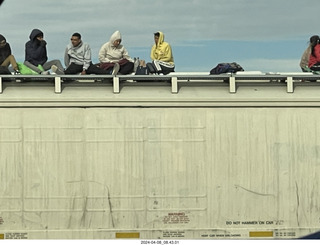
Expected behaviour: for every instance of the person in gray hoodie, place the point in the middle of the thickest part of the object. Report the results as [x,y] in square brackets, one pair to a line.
[36,54]
[77,58]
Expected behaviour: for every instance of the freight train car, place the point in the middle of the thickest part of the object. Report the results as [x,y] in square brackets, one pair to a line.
[148,164]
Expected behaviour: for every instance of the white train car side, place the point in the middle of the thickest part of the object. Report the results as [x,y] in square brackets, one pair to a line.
[149,164]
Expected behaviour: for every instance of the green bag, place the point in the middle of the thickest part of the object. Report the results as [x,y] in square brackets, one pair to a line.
[24,70]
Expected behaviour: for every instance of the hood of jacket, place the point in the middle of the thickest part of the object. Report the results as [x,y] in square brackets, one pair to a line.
[115,36]
[161,37]
[5,50]
[2,38]
[34,33]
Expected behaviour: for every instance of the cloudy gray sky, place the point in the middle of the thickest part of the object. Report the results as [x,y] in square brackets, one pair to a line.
[264,35]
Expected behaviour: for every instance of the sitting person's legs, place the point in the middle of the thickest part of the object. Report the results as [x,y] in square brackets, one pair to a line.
[315,67]
[32,67]
[93,69]
[163,67]
[73,69]
[126,68]
[47,66]
[10,60]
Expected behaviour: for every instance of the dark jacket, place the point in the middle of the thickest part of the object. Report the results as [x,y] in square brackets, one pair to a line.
[4,51]
[36,51]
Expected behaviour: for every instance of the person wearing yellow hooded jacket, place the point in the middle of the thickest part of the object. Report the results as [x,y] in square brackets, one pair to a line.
[161,55]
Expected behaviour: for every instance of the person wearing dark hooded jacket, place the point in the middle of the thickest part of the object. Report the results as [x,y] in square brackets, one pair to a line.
[36,54]
[6,57]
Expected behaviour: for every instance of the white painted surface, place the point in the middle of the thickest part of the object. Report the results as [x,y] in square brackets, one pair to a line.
[159,172]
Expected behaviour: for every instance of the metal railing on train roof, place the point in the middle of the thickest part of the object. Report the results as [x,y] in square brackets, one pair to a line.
[232,80]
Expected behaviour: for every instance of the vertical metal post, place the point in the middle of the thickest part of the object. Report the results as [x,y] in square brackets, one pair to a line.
[0,85]
[174,85]
[57,85]
[289,85]
[116,85]
[232,84]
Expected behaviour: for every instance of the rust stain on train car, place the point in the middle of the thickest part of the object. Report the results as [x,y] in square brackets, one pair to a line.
[128,235]
[261,234]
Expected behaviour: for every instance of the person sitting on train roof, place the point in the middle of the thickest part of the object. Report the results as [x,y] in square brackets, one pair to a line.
[77,58]
[36,54]
[114,57]
[6,57]
[304,62]
[161,55]
[314,60]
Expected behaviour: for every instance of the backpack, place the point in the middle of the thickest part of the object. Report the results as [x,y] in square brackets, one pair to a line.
[142,71]
[225,68]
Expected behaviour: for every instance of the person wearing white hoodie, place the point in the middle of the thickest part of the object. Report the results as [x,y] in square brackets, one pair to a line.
[114,57]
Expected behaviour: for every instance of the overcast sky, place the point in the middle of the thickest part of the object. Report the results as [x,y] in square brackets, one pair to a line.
[264,35]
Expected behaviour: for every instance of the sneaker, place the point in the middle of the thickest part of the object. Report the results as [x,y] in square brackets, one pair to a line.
[56,70]
[17,72]
[45,73]
[116,69]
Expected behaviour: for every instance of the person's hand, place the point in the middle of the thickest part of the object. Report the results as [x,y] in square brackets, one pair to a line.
[43,43]
[83,72]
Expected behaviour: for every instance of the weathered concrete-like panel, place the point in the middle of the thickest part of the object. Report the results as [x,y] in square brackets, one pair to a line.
[159,172]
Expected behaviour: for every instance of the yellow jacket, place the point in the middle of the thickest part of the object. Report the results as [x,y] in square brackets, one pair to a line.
[162,51]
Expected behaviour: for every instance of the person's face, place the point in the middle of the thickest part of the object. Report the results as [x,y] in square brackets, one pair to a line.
[40,38]
[3,43]
[75,41]
[156,39]
[117,42]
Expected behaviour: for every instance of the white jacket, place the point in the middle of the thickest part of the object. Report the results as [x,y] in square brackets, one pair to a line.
[111,54]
